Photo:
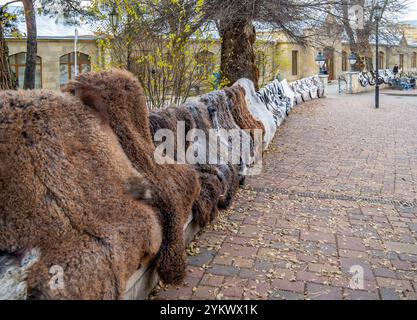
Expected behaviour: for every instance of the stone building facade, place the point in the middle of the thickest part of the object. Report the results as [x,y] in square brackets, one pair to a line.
[276,56]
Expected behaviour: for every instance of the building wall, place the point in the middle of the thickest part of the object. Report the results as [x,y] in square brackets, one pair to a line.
[50,51]
[278,57]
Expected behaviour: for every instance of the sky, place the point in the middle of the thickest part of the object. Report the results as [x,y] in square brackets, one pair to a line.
[411,14]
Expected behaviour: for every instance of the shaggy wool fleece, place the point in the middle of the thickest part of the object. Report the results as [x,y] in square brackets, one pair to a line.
[65,182]
[174,188]
[259,110]
[205,208]
[228,173]
[239,109]
[221,118]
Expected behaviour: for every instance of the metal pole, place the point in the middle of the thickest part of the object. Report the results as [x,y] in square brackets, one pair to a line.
[75,53]
[377,66]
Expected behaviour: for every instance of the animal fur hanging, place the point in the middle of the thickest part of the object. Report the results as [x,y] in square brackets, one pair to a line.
[221,118]
[174,188]
[65,203]
[227,172]
[240,112]
[276,102]
[205,207]
[258,110]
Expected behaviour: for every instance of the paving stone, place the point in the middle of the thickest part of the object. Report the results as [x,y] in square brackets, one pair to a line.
[350,294]
[318,236]
[394,283]
[212,280]
[204,257]
[401,247]
[285,295]
[322,292]
[389,294]
[350,243]
[295,286]
[223,270]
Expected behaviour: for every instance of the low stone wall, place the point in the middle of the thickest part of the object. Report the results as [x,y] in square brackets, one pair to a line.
[144,280]
[354,86]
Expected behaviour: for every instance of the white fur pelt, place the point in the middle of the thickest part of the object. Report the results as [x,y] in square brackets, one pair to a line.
[259,110]
[13,274]
[288,92]
[303,90]
[273,96]
[311,87]
[320,87]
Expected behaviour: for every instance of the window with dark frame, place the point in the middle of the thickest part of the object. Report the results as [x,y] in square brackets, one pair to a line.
[67,66]
[401,64]
[18,65]
[414,61]
[294,62]
[381,60]
[344,61]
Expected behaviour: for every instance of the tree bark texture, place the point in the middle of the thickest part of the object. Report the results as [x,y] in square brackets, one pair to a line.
[6,77]
[237,52]
[31,44]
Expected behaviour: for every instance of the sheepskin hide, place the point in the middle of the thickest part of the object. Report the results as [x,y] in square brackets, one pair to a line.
[298,98]
[221,118]
[205,208]
[302,89]
[168,119]
[272,95]
[240,112]
[174,188]
[65,190]
[320,87]
[259,111]
[288,92]
[308,85]
[227,172]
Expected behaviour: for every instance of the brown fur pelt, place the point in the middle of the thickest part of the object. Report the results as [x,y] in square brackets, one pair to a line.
[221,118]
[228,173]
[168,119]
[205,208]
[65,182]
[174,188]
[239,110]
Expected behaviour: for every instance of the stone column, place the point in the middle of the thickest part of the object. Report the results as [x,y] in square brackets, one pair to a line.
[324,78]
[352,78]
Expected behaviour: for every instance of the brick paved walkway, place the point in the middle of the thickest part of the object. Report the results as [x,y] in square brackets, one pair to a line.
[338,190]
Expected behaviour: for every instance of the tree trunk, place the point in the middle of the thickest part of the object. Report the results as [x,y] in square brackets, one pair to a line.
[237,53]
[6,77]
[31,44]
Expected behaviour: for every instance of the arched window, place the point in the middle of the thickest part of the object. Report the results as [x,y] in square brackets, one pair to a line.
[18,65]
[381,60]
[344,61]
[205,61]
[67,66]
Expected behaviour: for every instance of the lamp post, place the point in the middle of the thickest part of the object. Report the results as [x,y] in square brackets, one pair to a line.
[320,60]
[75,52]
[378,15]
[114,19]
